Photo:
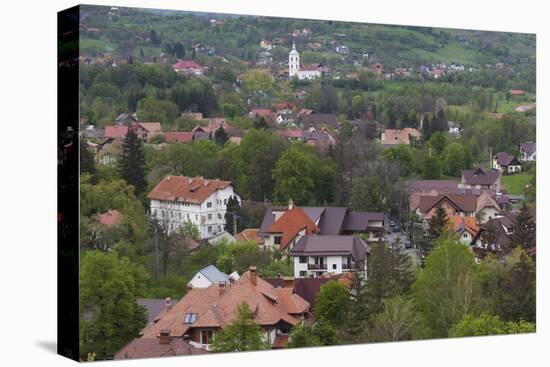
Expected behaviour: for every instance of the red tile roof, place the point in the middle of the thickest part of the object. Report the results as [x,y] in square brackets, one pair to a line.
[182,137]
[516,92]
[459,223]
[116,131]
[110,218]
[291,223]
[216,307]
[151,347]
[280,341]
[186,65]
[189,189]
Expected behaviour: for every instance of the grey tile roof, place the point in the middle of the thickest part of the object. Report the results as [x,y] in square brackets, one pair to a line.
[480,176]
[529,147]
[332,220]
[330,245]
[153,306]
[359,221]
[214,274]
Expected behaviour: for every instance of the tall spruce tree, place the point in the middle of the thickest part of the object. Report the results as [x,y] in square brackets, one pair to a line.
[132,162]
[401,272]
[232,216]
[525,234]
[354,326]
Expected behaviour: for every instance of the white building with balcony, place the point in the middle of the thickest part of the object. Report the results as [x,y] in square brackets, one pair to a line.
[203,202]
[314,256]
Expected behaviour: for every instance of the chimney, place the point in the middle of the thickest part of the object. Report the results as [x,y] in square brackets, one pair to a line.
[168,303]
[221,287]
[290,204]
[253,275]
[288,282]
[164,337]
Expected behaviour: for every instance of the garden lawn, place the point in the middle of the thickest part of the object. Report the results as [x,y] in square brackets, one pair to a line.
[515,184]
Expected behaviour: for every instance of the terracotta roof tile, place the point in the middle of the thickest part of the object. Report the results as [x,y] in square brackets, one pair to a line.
[116,131]
[291,223]
[250,235]
[190,189]
[182,137]
[216,307]
[110,218]
[151,347]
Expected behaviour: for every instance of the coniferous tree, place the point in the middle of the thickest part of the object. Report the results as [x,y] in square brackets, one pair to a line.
[524,226]
[379,284]
[438,223]
[353,329]
[401,272]
[232,216]
[221,136]
[132,162]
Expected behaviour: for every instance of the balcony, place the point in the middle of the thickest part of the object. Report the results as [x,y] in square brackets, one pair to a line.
[316,266]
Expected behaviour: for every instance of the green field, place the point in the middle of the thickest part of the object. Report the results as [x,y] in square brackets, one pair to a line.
[515,184]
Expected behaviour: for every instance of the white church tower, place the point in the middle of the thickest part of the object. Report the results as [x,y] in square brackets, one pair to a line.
[293,61]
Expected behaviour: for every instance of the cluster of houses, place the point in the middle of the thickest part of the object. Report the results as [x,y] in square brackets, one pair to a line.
[187,327]
[510,164]
[473,205]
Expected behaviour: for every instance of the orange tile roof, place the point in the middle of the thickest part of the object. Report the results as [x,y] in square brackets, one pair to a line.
[151,347]
[291,223]
[110,218]
[216,307]
[250,235]
[468,223]
[190,189]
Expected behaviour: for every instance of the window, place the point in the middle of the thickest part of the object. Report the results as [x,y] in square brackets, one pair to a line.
[189,318]
[209,229]
[206,336]
[187,216]
[219,228]
[465,235]
[154,213]
[303,273]
[277,240]
[303,259]
[209,204]
[333,266]
[209,216]
[225,201]
[219,215]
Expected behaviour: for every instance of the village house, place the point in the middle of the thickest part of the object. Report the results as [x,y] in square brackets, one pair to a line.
[125,119]
[301,72]
[506,163]
[266,44]
[393,137]
[207,276]
[315,256]
[528,152]
[418,188]
[116,132]
[283,226]
[146,130]
[494,236]
[481,178]
[465,227]
[319,120]
[203,202]
[188,68]
[464,205]
[177,136]
[202,312]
